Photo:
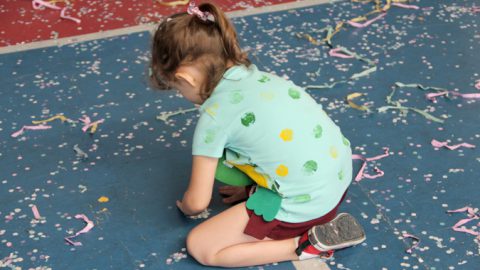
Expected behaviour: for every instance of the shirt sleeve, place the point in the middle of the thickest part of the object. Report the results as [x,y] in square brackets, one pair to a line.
[209,138]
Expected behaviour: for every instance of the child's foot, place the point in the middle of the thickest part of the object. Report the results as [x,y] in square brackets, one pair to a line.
[341,232]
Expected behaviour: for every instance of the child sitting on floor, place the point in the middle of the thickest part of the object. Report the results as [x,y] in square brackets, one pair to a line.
[254,127]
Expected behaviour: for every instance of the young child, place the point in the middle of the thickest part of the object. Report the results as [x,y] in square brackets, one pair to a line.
[253,127]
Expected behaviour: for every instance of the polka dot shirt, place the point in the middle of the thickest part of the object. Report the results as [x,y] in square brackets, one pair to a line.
[278,131]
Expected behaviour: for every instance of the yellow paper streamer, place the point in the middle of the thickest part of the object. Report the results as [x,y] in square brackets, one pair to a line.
[352,96]
[103,199]
[93,128]
[340,25]
[58,116]
[173,3]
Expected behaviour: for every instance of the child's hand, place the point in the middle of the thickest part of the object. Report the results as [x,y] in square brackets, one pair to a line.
[232,194]
[184,209]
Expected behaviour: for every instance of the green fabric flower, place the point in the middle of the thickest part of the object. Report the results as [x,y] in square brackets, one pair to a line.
[264,202]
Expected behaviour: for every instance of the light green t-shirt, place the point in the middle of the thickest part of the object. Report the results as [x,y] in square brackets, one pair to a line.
[278,129]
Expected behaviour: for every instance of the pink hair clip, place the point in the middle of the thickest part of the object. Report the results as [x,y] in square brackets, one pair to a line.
[204,16]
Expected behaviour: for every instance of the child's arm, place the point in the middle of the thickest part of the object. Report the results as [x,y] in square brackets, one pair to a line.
[199,192]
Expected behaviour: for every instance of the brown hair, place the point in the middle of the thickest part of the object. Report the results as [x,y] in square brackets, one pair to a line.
[187,39]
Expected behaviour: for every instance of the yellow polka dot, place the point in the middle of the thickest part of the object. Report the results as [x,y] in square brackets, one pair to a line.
[286,134]
[267,95]
[333,152]
[282,170]
[212,110]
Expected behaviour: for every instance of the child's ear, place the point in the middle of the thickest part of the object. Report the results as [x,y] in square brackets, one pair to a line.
[187,77]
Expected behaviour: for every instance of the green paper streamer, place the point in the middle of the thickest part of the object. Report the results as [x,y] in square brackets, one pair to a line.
[164,116]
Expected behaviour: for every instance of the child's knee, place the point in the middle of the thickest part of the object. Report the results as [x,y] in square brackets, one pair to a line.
[197,247]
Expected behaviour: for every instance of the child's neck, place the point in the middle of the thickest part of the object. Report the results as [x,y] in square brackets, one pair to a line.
[229,64]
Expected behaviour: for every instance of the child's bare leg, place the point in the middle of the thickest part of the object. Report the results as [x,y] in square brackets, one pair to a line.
[220,241]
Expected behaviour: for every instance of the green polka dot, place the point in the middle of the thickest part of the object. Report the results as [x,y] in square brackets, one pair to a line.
[264,79]
[236,96]
[209,136]
[294,93]
[310,167]
[302,198]
[248,119]
[317,131]
[340,175]
[346,142]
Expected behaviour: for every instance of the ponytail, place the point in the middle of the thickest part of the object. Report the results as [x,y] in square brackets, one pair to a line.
[185,39]
[228,35]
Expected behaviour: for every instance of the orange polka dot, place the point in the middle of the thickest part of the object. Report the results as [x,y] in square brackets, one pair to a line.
[286,134]
[282,170]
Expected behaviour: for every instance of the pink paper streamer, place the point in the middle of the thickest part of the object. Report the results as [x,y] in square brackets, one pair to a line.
[87,123]
[472,215]
[409,250]
[361,173]
[62,15]
[37,4]
[20,132]
[432,96]
[337,53]
[439,144]
[469,95]
[86,229]
[367,23]
[405,6]
[36,214]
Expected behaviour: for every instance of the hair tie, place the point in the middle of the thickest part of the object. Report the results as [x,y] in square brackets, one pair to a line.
[202,15]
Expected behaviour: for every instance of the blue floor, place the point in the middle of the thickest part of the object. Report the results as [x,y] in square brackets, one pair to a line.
[142,165]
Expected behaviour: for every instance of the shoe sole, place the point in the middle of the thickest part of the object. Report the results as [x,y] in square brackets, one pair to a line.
[343,231]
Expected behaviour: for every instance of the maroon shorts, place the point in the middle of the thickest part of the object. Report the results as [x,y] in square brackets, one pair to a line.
[278,230]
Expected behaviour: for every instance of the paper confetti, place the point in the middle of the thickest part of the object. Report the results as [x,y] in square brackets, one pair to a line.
[173,3]
[86,229]
[472,214]
[439,144]
[38,4]
[80,153]
[88,124]
[36,214]
[396,105]
[20,132]
[103,199]
[164,116]
[361,173]
[415,239]
[350,102]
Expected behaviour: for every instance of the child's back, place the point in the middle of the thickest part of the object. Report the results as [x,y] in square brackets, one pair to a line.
[276,127]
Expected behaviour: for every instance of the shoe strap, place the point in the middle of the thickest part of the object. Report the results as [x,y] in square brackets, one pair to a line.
[302,246]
